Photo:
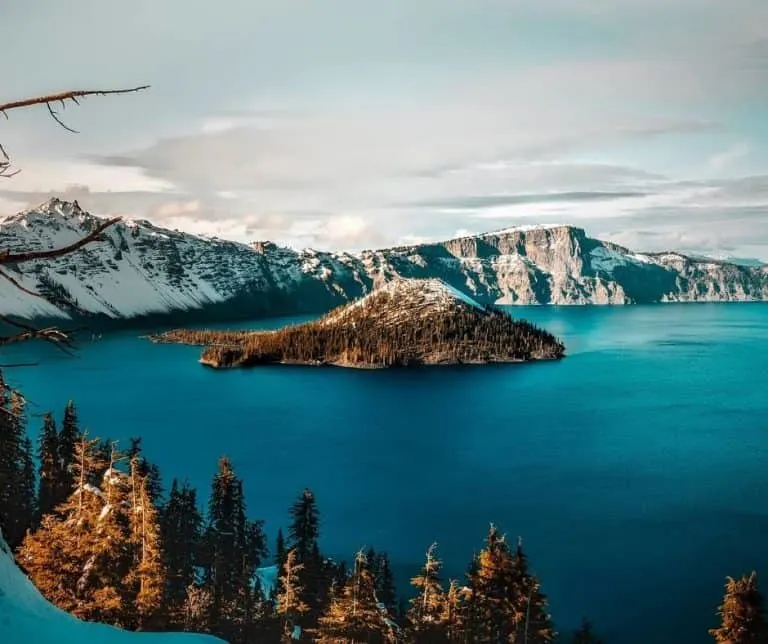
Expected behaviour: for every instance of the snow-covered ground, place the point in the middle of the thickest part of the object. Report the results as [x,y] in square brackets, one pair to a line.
[27,618]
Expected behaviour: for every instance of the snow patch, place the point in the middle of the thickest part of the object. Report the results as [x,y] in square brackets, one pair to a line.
[26,616]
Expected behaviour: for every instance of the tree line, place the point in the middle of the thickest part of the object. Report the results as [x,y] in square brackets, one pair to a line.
[96,532]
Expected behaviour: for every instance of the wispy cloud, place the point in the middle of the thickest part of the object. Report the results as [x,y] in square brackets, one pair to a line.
[348,124]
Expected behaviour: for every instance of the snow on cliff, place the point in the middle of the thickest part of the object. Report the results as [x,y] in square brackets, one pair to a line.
[139,269]
[26,617]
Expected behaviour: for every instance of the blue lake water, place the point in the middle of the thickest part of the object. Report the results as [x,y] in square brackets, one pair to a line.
[636,469]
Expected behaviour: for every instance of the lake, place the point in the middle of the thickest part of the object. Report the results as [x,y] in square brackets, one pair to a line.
[635,469]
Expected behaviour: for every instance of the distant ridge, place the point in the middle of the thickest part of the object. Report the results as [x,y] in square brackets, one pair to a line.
[142,271]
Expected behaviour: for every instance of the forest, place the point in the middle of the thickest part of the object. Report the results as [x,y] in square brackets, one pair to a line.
[99,535]
[382,331]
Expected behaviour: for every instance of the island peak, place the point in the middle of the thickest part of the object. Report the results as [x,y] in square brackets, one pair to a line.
[404,322]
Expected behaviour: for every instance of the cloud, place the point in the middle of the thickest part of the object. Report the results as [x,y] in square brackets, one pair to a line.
[727,158]
[337,123]
[478,202]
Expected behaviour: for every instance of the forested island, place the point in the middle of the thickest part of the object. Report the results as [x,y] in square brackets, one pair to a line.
[406,322]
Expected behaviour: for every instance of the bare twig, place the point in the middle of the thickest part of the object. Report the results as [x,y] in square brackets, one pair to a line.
[6,257]
[49,100]
[62,97]
[57,337]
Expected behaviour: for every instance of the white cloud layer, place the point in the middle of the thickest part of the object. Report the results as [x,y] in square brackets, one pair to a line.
[342,124]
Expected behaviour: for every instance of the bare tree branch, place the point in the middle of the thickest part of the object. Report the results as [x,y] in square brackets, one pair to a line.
[57,337]
[49,100]
[6,257]
[62,97]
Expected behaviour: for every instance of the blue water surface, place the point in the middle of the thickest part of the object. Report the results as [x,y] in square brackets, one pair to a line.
[635,469]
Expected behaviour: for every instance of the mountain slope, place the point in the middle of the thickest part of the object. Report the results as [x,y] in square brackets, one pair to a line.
[26,617]
[140,269]
[404,322]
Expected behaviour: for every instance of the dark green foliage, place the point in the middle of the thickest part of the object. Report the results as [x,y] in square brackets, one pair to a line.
[68,438]
[585,634]
[17,475]
[303,534]
[233,548]
[146,470]
[181,532]
[48,457]
[385,583]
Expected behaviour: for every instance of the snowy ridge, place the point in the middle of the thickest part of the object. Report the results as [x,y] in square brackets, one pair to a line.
[139,269]
[26,617]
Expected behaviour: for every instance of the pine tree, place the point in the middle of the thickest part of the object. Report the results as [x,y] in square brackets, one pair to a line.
[148,574]
[385,584]
[27,508]
[427,614]
[68,439]
[585,634]
[303,534]
[181,530]
[505,603]
[289,603]
[17,478]
[353,614]
[741,613]
[280,550]
[62,556]
[48,457]
[146,470]
[537,627]
[453,614]
[233,547]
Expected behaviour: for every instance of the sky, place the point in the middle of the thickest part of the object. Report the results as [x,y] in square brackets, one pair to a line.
[351,124]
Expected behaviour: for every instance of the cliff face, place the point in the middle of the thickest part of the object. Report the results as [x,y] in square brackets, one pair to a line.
[140,270]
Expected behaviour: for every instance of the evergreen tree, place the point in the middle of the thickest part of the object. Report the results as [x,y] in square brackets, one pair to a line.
[233,549]
[585,634]
[303,534]
[181,530]
[353,614]
[504,603]
[62,558]
[17,478]
[27,508]
[68,440]
[289,603]
[280,550]
[48,457]
[537,626]
[427,614]
[146,470]
[741,613]
[385,584]
[148,574]
[453,614]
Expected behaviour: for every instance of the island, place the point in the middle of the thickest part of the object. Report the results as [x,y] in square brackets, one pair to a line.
[405,322]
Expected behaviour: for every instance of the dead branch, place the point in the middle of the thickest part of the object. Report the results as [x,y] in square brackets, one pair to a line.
[6,257]
[57,337]
[50,100]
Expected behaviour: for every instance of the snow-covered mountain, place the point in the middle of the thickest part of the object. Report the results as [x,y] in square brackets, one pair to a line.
[140,269]
[27,618]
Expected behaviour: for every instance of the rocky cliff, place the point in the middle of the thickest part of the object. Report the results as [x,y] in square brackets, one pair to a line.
[140,270]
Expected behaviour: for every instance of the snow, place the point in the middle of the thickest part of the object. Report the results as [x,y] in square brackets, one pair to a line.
[461,296]
[27,617]
[526,228]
